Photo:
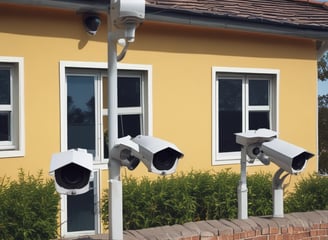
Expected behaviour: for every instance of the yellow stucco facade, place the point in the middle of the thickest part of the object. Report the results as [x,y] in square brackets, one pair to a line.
[181,58]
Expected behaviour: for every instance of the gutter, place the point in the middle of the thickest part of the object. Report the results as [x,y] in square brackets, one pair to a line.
[75,5]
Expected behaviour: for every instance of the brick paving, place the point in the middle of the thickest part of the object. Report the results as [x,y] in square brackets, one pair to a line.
[293,226]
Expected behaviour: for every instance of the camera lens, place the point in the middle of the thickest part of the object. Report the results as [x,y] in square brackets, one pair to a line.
[72,176]
[165,159]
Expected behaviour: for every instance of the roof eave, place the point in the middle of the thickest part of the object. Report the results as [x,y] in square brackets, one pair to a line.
[195,19]
[184,17]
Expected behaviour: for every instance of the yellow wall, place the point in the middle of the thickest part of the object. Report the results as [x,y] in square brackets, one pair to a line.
[181,58]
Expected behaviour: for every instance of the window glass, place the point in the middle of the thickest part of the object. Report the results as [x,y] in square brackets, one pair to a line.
[5,86]
[259,119]
[129,125]
[5,126]
[128,91]
[244,102]
[258,92]
[12,142]
[230,113]
[81,112]
[129,106]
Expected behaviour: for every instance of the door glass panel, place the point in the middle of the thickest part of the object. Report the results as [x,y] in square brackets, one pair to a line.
[5,126]
[5,86]
[81,134]
[259,119]
[128,91]
[81,112]
[80,211]
[230,114]
[258,92]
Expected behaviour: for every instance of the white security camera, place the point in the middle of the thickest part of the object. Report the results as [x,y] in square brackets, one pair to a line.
[127,15]
[159,156]
[262,144]
[72,171]
[287,156]
[252,140]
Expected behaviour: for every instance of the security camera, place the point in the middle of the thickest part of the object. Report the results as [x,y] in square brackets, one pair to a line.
[253,151]
[127,15]
[263,144]
[72,171]
[159,156]
[91,23]
[287,156]
[252,141]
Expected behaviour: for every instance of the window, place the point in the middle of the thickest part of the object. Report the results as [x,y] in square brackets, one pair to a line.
[11,107]
[84,123]
[243,99]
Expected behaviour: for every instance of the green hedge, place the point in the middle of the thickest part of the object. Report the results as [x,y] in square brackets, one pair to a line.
[311,193]
[189,197]
[28,208]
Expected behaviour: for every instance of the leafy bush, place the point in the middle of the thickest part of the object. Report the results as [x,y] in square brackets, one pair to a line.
[28,208]
[259,194]
[188,197]
[310,194]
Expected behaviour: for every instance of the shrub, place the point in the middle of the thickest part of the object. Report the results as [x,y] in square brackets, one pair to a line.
[311,193]
[188,197]
[259,194]
[28,208]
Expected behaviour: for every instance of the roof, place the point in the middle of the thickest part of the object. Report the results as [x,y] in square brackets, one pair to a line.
[305,14]
[302,18]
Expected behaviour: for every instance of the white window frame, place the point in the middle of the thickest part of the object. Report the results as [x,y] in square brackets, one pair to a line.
[234,157]
[15,147]
[99,165]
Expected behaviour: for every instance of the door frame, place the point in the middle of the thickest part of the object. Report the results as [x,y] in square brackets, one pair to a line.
[98,166]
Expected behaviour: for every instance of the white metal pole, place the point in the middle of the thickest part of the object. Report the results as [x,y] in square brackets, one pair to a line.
[242,188]
[115,197]
[278,193]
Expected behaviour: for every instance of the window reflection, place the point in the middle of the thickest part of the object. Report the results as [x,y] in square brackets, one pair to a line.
[230,114]
[81,112]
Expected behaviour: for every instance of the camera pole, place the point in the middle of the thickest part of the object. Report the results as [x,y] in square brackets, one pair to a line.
[242,187]
[115,196]
[120,26]
[278,193]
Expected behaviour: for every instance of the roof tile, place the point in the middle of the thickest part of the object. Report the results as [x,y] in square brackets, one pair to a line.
[310,14]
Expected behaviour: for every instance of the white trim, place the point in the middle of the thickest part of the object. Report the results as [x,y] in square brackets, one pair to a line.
[63,66]
[234,157]
[20,132]
[120,66]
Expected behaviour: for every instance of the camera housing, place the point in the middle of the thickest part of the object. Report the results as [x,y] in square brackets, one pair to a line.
[159,156]
[264,145]
[72,171]
[127,15]
[287,156]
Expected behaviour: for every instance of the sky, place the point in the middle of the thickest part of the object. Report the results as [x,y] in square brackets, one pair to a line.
[322,87]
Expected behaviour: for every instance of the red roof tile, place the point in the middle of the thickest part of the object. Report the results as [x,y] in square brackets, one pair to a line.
[309,14]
